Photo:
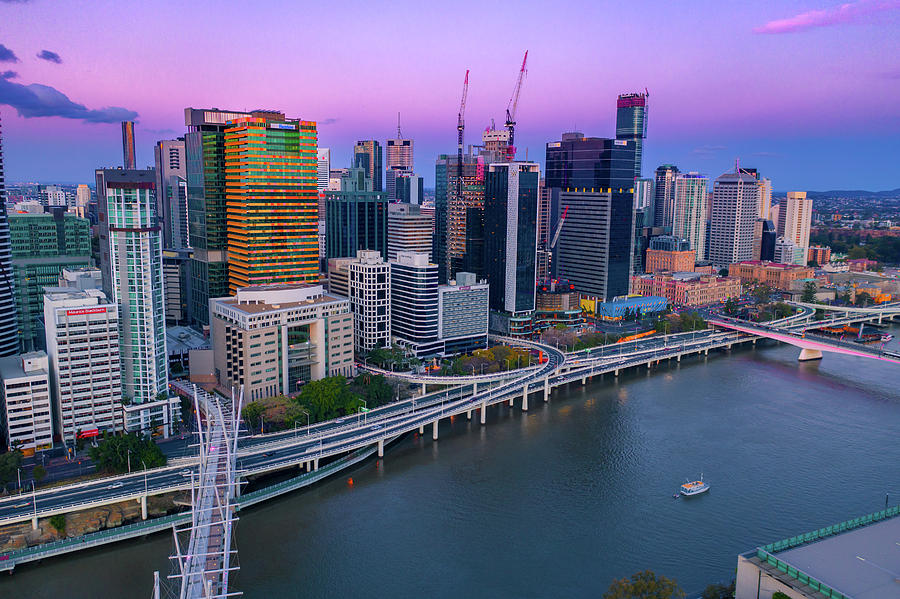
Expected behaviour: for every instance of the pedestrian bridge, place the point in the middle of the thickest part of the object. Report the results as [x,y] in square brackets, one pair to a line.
[811,345]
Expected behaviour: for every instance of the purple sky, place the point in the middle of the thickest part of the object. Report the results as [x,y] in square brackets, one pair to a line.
[808,92]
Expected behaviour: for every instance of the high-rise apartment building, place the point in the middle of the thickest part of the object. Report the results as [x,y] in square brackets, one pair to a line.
[664,195]
[357,217]
[408,230]
[367,156]
[370,300]
[643,197]
[271,339]
[689,219]
[591,181]
[543,258]
[414,304]
[510,235]
[272,202]
[795,218]
[207,218]
[42,246]
[131,262]
[171,192]
[128,158]
[85,366]
[631,124]
[733,214]
[25,397]
[9,336]
[53,195]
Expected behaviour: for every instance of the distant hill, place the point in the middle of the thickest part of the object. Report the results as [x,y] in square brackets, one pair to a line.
[848,193]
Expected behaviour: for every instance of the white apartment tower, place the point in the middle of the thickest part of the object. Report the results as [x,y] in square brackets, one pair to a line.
[414,303]
[690,211]
[370,300]
[795,218]
[82,330]
[131,261]
[735,205]
[323,169]
[25,396]
[408,230]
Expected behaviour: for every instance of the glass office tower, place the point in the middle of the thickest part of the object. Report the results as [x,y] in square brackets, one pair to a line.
[631,124]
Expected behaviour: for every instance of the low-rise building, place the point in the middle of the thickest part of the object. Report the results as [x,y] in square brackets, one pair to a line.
[857,558]
[180,342]
[622,308]
[669,254]
[463,308]
[773,274]
[819,255]
[557,302]
[687,288]
[862,264]
[82,329]
[272,339]
[25,393]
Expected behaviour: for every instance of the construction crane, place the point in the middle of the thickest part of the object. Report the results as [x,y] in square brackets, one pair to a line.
[460,128]
[511,110]
[559,227]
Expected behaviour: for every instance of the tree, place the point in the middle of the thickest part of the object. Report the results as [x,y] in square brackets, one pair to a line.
[809,292]
[10,462]
[762,294]
[644,585]
[857,253]
[39,473]
[783,310]
[59,523]
[731,306]
[863,299]
[251,413]
[114,452]
[719,591]
[780,595]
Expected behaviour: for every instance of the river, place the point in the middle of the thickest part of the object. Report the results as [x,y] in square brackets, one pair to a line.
[558,501]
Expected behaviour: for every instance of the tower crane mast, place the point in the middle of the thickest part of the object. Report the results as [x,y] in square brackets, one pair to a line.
[460,129]
[511,109]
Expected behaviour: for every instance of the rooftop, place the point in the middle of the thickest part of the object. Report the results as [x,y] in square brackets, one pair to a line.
[12,366]
[258,299]
[182,339]
[862,563]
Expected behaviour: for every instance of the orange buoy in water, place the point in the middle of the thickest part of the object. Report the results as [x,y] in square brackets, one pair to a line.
[350,482]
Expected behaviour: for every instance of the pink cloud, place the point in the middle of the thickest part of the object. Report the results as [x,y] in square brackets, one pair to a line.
[845,13]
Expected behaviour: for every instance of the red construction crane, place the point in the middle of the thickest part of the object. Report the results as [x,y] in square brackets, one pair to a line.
[460,128]
[511,110]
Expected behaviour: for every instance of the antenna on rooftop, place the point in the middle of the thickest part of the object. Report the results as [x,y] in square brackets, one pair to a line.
[399,135]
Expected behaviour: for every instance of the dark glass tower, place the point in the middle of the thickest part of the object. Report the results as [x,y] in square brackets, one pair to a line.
[9,326]
[594,178]
[664,195]
[631,124]
[367,155]
[356,217]
[510,235]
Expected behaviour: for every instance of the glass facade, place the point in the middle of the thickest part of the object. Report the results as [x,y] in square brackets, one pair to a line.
[594,178]
[9,340]
[631,124]
[271,202]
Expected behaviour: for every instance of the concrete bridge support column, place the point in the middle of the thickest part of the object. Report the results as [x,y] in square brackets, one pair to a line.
[649,364]
[143,507]
[380,448]
[583,380]
[483,412]
[809,354]
[879,317]
[547,388]
[616,372]
[34,524]
[422,430]
[468,414]
[525,399]
[423,388]
[434,430]
[315,463]
[511,400]
[706,352]
[678,358]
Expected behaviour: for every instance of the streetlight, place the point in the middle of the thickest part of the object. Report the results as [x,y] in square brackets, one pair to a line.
[129,460]
[34,499]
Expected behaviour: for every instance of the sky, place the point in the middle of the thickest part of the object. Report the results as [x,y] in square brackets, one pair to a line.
[808,92]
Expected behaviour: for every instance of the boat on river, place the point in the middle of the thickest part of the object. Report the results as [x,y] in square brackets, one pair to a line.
[694,487]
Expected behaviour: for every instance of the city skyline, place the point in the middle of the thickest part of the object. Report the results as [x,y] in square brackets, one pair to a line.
[784,82]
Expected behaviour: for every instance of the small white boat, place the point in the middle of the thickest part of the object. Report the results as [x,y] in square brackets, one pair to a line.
[694,487]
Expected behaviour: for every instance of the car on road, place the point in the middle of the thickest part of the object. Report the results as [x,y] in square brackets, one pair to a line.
[341,420]
[185,473]
[115,485]
[375,427]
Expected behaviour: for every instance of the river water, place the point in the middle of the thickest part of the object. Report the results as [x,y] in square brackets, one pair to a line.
[558,501]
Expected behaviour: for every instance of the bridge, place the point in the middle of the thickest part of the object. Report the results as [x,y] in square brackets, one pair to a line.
[328,447]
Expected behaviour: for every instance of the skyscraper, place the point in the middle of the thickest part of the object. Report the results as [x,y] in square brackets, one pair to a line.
[399,160]
[272,203]
[795,218]
[367,156]
[171,192]
[591,181]
[128,159]
[409,188]
[83,195]
[690,211]
[369,282]
[131,263]
[408,230]
[414,303]
[631,124]
[510,229]
[9,338]
[207,218]
[664,195]
[735,204]
[451,211]
[357,217]
[42,246]
[323,168]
